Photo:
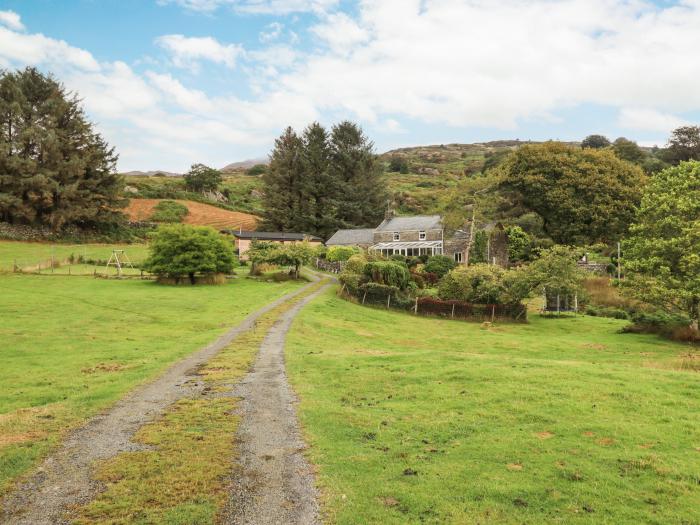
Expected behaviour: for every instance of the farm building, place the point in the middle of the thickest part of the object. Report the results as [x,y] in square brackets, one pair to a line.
[243,239]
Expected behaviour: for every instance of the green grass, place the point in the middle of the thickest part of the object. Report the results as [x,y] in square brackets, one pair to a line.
[191,448]
[73,345]
[416,420]
[33,254]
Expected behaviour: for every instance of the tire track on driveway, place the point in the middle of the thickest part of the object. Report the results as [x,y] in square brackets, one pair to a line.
[277,484]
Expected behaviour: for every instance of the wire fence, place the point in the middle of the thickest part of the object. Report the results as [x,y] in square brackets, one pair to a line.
[391,298]
[72,259]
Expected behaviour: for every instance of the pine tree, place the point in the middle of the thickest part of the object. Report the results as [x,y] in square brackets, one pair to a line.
[319,187]
[356,168]
[54,168]
[283,189]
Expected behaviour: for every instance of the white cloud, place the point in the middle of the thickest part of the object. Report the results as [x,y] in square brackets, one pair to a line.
[187,52]
[481,63]
[645,119]
[274,30]
[36,50]
[12,20]
[340,32]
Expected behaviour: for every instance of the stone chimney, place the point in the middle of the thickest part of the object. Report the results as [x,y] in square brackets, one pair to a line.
[389,213]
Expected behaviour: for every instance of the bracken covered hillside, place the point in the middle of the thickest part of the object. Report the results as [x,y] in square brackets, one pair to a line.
[199,214]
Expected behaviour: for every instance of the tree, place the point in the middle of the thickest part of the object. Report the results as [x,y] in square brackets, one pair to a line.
[683,145]
[257,169]
[296,255]
[202,178]
[557,271]
[398,164]
[180,250]
[628,150]
[358,172]
[318,183]
[662,255]
[595,142]
[55,169]
[583,195]
[282,194]
[519,244]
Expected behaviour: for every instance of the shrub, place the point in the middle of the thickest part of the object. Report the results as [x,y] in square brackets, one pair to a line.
[202,178]
[439,265]
[356,264]
[484,284]
[388,273]
[178,251]
[169,211]
[256,170]
[340,253]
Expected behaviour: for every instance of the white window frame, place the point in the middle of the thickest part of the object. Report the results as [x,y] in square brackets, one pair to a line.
[458,257]
[397,236]
[421,236]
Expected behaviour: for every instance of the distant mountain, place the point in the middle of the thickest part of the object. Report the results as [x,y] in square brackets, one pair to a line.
[243,165]
[151,174]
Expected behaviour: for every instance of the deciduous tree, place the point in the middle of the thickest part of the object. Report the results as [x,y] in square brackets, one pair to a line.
[583,195]
[202,178]
[662,255]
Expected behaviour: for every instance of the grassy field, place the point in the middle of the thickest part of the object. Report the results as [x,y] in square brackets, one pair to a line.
[33,254]
[414,420]
[72,346]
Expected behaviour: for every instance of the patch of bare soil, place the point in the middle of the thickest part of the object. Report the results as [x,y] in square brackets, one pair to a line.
[66,478]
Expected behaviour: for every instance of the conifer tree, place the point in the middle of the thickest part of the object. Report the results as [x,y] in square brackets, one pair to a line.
[282,198]
[319,186]
[54,168]
[357,170]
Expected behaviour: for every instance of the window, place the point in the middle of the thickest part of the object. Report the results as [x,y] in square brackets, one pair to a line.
[458,257]
[397,236]
[421,236]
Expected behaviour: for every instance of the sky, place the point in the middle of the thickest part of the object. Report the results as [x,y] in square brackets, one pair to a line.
[173,82]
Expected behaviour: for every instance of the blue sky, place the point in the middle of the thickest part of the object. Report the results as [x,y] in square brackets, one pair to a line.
[173,82]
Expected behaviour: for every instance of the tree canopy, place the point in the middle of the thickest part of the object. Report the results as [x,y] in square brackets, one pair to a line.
[180,250]
[662,255]
[202,178]
[684,144]
[319,182]
[583,195]
[55,169]
[595,142]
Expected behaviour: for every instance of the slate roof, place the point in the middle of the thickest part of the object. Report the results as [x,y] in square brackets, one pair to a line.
[352,237]
[272,236]
[415,223]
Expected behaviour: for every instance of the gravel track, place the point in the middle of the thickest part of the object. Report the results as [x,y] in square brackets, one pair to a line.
[65,479]
[277,483]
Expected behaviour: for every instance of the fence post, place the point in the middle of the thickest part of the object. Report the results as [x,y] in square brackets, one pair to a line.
[364,297]
[453,310]
[388,301]
[415,308]
[493,312]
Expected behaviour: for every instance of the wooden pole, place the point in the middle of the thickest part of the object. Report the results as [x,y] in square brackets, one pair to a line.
[618,261]
[415,308]
[557,304]
[364,297]
[453,310]
[493,312]
[388,301]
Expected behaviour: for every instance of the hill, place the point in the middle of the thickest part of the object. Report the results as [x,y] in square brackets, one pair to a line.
[200,214]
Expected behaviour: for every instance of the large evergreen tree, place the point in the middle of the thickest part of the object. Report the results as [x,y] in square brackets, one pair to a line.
[54,168]
[317,183]
[282,198]
[355,167]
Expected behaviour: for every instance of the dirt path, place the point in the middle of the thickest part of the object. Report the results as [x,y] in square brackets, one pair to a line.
[65,478]
[277,485]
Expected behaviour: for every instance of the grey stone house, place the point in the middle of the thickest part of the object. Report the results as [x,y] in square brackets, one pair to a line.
[421,235]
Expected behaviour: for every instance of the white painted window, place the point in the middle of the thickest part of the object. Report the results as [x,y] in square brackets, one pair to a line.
[397,236]
[421,236]
[458,257]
